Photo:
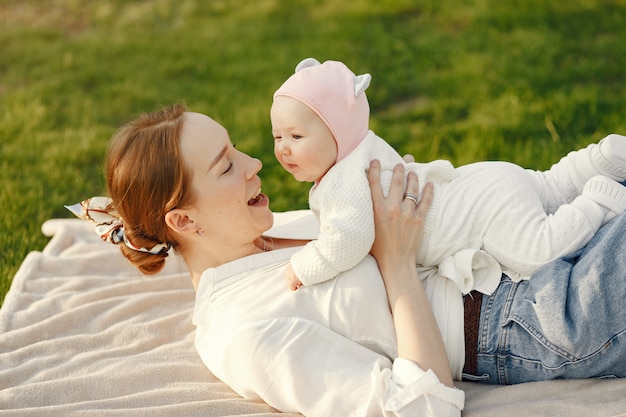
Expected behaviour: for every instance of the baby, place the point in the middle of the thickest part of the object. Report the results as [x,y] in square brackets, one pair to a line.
[522,218]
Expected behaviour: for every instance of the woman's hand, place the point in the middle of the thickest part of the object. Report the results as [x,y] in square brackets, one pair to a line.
[399,223]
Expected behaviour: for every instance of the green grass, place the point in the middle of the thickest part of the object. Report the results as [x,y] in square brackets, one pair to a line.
[524,81]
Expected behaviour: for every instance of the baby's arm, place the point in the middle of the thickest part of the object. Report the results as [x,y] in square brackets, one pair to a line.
[346,229]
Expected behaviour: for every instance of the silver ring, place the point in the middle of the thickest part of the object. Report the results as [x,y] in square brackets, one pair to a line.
[412,197]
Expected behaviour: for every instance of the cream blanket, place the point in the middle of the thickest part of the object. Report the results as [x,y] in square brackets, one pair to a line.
[83,333]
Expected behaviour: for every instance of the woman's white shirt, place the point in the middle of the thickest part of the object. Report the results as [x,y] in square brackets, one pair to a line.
[324,350]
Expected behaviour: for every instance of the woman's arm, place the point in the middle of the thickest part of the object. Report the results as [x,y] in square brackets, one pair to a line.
[399,224]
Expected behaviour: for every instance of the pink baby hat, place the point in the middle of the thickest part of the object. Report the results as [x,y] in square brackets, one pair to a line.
[337,96]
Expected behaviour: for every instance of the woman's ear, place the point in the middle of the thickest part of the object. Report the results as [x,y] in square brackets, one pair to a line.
[179,222]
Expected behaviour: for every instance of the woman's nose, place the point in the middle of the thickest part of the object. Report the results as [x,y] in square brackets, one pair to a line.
[254,166]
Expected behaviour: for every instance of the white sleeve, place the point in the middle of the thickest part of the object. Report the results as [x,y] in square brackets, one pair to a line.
[346,229]
[296,365]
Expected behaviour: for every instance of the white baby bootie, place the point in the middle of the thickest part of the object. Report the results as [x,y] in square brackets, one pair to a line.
[607,158]
[608,193]
[610,157]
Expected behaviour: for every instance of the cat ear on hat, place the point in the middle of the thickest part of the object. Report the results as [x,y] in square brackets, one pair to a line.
[307,63]
[361,82]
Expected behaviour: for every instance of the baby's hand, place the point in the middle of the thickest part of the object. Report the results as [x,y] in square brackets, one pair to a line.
[292,279]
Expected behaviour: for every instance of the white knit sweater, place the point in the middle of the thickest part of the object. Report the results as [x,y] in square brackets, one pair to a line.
[498,207]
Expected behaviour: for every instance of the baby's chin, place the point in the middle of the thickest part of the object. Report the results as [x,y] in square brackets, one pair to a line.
[303,177]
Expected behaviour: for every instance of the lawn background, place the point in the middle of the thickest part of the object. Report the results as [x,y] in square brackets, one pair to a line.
[468,80]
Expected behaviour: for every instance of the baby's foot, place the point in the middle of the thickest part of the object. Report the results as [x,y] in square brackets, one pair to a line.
[610,157]
[608,193]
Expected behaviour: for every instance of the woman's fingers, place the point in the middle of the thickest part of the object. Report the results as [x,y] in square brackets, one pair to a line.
[373,176]
[412,198]
[425,201]
[411,195]
[396,189]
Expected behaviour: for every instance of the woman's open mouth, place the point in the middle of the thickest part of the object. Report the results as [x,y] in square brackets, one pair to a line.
[257,199]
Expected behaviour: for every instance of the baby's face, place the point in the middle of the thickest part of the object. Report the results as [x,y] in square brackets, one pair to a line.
[303,144]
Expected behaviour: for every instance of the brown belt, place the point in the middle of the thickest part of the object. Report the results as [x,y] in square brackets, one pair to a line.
[471,307]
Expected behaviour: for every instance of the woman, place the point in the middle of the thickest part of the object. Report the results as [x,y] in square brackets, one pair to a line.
[336,349]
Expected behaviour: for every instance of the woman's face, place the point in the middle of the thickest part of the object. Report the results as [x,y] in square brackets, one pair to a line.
[228,203]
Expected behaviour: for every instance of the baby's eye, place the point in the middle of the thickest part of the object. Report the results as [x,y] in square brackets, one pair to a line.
[296,137]
[230,165]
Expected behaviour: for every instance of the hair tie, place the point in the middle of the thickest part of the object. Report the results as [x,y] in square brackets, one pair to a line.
[109,226]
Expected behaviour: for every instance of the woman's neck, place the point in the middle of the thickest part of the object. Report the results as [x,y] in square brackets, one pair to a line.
[199,259]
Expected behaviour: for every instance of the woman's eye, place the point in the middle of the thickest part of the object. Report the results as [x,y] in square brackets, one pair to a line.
[230,165]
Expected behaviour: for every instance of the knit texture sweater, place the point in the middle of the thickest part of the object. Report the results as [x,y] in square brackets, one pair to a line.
[520,217]
[342,202]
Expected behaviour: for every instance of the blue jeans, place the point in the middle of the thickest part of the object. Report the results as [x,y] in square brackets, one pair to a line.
[567,321]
